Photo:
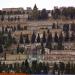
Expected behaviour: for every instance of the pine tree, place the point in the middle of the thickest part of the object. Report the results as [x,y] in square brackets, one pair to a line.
[6,29]
[48,31]
[67,37]
[67,68]
[3,29]
[72,38]
[10,67]
[53,26]
[16,67]
[18,48]
[66,27]
[44,37]
[2,18]
[72,68]
[18,27]
[61,38]
[55,66]
[38,38]
[8,18]
[33,38]
[44,14]
[39,67]
[34,67]
[25,68]
[1,48]
[10,36]
[14,28]
[49,41]
[1,67]
[15,19]
[61,67]
[56,37]
[43,49]
[60,46]
[35,13]
[21,38]
[27,39]
[18,18]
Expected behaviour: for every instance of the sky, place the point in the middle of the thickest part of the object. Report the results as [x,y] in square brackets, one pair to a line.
[48,4]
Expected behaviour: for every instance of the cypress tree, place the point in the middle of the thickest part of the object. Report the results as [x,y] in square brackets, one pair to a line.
[44,37]
[33,38]
[56,37]
[27,39]
[38,38]
[21,38]
[49,41]
[43,49]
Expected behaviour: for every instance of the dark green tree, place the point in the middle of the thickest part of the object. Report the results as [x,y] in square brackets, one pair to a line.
[35,13]
[18,48]
[44,37]
[44,68]
[10,67]
[72,68]
[61,38]
[67,38]
[42,48]
[18,27]
[49,41]
[67,68]
[34,67]
[39,67]
[3,29]
[14,28]
[72,27]
[60,46]
[44,14]
[56,37]
[56,13]
[55,66]
[72,38]
[27,39]
[2,18]
[10,39]
[21,39]
[8,18]
[1,49]
[66,27]
[53,26]
[61,67]
[1,67]
[25,68]
[6,29]
[48,31]
[38,38]
[33,38]
[15,19]
[18,18]
[16,67]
